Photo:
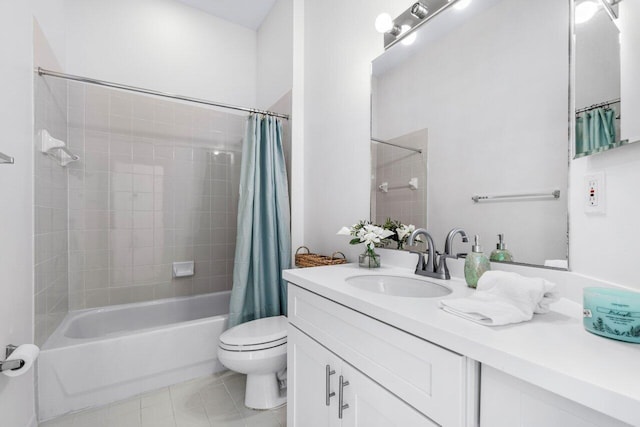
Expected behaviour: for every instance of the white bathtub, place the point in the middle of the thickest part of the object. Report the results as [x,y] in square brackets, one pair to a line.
[103,355]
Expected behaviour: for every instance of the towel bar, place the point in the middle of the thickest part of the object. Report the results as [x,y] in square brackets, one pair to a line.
[554,194]
[6,160]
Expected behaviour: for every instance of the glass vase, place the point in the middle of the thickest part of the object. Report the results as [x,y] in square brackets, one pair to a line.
[369,259]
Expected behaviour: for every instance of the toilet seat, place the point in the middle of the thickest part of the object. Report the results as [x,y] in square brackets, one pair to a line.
[254,347]
[260,334]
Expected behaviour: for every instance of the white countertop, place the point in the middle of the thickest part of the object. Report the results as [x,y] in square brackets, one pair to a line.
[552,351]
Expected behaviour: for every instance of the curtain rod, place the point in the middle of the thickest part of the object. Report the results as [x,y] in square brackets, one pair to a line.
[417,150]
[601,104]
[43,72]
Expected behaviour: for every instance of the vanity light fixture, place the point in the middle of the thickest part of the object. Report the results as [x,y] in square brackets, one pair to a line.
[384,24]
[403,27]
[419,10]
[609,7]
[409,38]
[585,11]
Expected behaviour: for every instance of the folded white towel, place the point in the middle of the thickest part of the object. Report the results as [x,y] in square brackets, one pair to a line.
[503,297]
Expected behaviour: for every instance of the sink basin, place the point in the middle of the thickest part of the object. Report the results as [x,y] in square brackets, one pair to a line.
[398,286]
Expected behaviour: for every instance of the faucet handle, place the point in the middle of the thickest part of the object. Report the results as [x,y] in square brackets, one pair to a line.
[420,258]
[442,266]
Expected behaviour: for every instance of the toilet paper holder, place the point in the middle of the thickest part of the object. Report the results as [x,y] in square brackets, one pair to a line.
[8,365]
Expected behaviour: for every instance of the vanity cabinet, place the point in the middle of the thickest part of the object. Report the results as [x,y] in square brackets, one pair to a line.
[320,382]
[507,401]
[394,378]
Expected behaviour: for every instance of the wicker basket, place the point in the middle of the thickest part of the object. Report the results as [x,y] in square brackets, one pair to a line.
[314,260]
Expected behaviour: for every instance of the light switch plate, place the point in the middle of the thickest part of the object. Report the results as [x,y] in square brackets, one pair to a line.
[595,193]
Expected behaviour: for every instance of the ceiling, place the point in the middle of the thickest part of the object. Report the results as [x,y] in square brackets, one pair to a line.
[248,13]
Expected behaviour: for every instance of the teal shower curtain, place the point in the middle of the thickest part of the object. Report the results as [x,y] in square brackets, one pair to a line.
[595,131]
[263,243]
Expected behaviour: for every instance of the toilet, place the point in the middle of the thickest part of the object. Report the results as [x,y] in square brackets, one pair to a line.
[258,349]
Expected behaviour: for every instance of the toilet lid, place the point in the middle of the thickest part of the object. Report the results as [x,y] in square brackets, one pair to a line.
[260,331]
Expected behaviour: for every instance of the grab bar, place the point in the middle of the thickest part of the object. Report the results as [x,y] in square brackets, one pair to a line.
[6,160]
[554,194]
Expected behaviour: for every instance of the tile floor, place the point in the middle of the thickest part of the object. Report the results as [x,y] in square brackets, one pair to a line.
[212,401]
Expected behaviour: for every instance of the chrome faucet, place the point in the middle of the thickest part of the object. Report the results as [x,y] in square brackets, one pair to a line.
[436,264]
[448,248]
[430,268]
[449,242]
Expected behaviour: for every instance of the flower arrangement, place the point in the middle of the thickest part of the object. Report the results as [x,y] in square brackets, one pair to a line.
[401,232]
[373,235]
[365,232]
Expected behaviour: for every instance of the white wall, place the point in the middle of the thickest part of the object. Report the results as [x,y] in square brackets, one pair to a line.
[275,54]
[16,193]
[162,45]
[493,96]
[339,43]
[297,128]
[630,66]
[597,54]
[50,18]
[604,246]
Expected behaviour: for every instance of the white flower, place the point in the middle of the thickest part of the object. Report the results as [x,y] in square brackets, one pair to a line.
[344,231]
[371,234]
[368,234]
[404,231]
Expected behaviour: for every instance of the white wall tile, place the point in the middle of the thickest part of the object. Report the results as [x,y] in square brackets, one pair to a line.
[121,181]
[143,183]
[143,199]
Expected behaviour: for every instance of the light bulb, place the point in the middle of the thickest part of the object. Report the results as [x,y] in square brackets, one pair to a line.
[585,11]
[408,39]
[384,23]
[461,4]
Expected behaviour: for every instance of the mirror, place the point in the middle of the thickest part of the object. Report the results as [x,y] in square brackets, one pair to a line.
[483,92]
[606,75]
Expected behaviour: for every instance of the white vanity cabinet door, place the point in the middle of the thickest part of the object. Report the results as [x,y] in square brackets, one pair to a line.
[506,401]
[307,389]
[371,405]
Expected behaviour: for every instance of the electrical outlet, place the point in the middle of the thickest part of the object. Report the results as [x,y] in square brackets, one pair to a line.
[594,193]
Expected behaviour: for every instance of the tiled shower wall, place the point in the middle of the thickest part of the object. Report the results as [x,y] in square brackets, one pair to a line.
[157,183]
[396,167]
[50,204]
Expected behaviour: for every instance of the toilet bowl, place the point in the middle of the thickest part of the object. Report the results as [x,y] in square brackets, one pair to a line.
[259,350]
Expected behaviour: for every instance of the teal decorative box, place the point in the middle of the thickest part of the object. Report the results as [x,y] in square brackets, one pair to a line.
[612,313]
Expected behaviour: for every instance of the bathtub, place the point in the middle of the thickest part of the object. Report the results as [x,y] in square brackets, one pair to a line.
[99,356]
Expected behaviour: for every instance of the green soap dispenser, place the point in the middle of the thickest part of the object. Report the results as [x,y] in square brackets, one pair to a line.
[500,253]
[476,264]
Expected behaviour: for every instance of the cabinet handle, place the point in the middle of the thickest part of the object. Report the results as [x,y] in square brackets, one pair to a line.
[328,393]
[341,406]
